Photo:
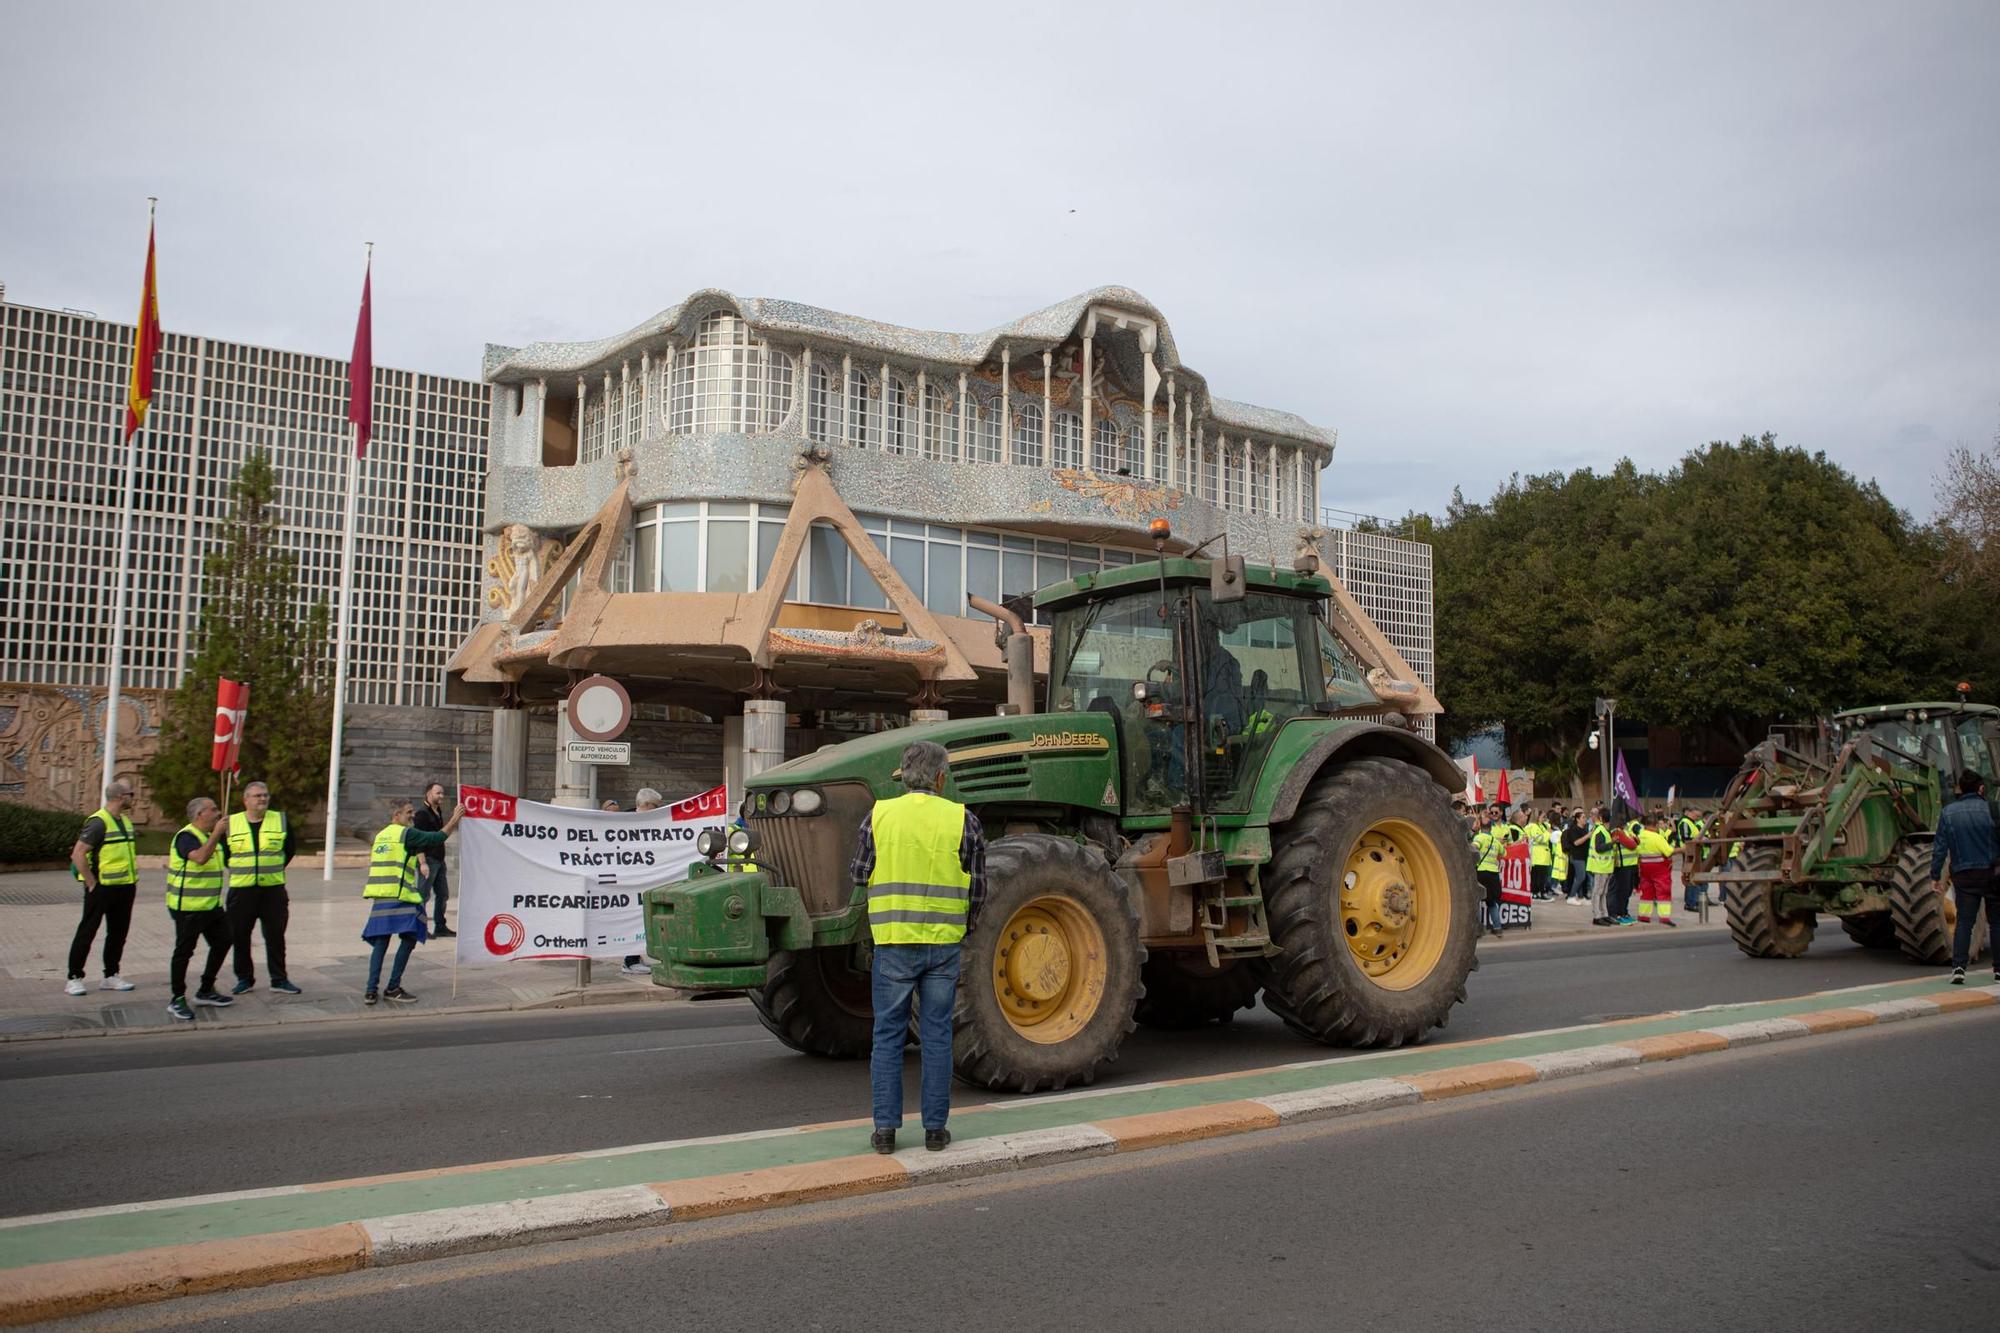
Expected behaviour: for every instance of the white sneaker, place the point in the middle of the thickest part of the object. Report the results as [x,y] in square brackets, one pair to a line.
[74,986]
[636,970]
[116,983]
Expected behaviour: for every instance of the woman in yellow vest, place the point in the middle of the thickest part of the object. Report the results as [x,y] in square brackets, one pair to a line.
[922,860]
[194,901]
[104,860]
[1540,856]
[395,903]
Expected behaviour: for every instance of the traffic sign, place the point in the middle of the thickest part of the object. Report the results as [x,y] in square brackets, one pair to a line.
[600,752]
[599,709]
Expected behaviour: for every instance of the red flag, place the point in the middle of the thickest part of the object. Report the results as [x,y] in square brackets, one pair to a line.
[145,348]
[361,370]
[232,701]
[1505,797]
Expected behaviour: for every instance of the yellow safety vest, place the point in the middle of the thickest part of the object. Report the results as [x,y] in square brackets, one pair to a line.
[1538,844]
[191,887]
[1487,843]
[117,859]
[1558,857]
[1258,722]
[392,869]
[257,861]
[1627,856]
[1653,846]
[918,892]
[1603,858]
[1688,829]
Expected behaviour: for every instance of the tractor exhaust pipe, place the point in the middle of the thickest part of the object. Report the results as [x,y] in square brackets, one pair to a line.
[1011,633]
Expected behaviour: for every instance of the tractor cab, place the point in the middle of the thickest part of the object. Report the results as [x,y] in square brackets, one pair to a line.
[1199,664]
[1948,737]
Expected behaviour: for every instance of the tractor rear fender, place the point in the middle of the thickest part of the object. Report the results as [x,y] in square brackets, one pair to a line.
[1284,781]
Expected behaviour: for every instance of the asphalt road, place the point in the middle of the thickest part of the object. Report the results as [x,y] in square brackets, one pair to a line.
[1826,1185]
[120,1119]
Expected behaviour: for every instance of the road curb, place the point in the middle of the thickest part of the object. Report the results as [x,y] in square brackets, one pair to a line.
[78,1286]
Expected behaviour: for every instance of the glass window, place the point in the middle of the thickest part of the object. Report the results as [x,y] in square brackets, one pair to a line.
[828,555]
[728,556]
[823,405]
[982,573]
[864,591]
[896,416]
[1160,457]
[1974,753]
[1109,459]
[1100,652]
[907,555]
[729,380]
[942,592]
[1260,480]
[648,539]
[983,432]
[1028,435]
[768,536]
[1252,681]
[1066,441]
[859,411]
[680,555]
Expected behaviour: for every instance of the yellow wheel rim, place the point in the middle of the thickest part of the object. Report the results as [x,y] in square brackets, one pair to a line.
[1049,970]
[1395,904]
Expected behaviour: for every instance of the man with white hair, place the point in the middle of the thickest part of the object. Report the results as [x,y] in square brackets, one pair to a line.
[635,963]
[258,847]
[194,901]
[106,863]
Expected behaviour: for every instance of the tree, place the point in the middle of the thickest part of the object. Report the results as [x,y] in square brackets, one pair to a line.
[251,630]
[1968,499]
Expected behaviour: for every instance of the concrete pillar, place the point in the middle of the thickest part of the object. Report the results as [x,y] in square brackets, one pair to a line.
[919,716]
[763,735]
[510,750]
[732,760]
[576,784]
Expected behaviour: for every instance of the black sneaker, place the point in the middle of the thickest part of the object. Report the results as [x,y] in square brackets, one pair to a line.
[370,997]
[242,987]
[286,988]
[212,997]
[1958,976]
[444,933]
[883,1141]
[399,995]
[936,1139]
[178,1008]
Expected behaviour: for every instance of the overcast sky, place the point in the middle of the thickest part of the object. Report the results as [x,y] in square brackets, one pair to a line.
[1475,239]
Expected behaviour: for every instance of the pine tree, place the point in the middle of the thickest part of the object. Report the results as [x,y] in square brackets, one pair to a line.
[252,631]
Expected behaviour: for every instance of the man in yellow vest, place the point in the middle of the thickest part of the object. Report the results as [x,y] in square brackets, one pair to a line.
[922,860]
[395,902]
[1486,847]
[257,848]
[194,901]
[1656,872]
[1540,856]
[105,860]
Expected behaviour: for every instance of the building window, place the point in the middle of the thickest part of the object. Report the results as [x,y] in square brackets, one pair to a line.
[1028,435]
[982,432]
[1160,458]
[896,436]
[1109,454]
[1066,441]
[823,406]
[858,410]
[940,425]
[1208,472]
[1260,480]
[729,381]
[1288,483]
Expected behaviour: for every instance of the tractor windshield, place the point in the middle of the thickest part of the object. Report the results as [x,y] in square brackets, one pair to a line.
[1261,665]
[1925,741]
[1101,650]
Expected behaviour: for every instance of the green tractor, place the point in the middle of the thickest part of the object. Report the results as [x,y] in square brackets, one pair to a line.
[1210,806]
[1838,819]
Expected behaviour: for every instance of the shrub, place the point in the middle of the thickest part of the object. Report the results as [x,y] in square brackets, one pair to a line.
[28,834]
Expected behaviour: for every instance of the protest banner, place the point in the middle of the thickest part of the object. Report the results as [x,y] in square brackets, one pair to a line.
[545,881]
[1517,904]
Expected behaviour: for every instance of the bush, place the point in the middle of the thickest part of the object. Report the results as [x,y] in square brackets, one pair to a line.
[28,834]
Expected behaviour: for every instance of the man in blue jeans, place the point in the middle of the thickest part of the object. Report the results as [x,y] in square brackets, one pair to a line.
[922,859]
[1967,838]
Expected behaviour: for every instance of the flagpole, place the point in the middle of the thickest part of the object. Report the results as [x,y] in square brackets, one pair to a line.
[124,574]
[346,615]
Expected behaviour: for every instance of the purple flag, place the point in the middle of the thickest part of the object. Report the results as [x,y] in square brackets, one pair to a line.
[1621,785]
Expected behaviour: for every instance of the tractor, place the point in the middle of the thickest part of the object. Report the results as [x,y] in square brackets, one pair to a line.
[1221,798]
[1837,819]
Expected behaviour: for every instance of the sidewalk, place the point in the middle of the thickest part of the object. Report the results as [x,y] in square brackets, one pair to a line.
[324,954]
[1558,920]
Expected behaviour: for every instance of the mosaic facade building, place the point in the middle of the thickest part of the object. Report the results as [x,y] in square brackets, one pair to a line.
[62,400]
[755,506]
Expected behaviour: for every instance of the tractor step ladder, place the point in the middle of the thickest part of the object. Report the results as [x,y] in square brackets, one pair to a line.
[1212,915]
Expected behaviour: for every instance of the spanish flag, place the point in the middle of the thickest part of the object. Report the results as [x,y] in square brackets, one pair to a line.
[145,348]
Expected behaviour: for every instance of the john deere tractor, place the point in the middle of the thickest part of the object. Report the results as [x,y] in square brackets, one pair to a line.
[1210,806]
[1838,821]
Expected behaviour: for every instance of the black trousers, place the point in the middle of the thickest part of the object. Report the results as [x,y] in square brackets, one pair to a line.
[269,907]
[211,924]
[110,906]
[440,892]
[1623,881]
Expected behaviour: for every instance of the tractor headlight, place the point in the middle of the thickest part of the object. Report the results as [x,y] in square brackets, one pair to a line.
[807,801]
[748,808]
[709,843]
[781,802]
[742,842]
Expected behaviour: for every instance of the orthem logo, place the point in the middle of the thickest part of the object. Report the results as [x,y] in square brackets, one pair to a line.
[504,934]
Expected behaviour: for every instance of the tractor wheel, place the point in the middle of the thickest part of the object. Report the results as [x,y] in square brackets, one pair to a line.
[1924,911]
[1871,930]
[1049,974]
[1183,991]
[818,1001]
[1755,923]
[1373,904]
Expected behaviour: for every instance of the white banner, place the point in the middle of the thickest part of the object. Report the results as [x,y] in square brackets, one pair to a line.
[546,881]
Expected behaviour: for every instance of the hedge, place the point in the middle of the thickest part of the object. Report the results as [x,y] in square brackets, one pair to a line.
[28,834]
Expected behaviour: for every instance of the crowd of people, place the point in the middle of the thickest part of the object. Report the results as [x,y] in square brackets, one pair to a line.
[225,885]
[1579,856]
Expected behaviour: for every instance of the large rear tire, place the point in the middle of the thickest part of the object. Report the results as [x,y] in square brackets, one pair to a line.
[1871,930]
[1050,972]
[1183,991]
[1924,911]
[818,1001]
[1755,923]
[1373,904]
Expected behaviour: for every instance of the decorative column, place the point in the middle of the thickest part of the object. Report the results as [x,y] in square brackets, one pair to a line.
[1006,410]
[1048,404]
[763,735]
[607,415]
[581,389]
[645,392]
[1089,339]
[510,750]
[806,391]
[1273,505]
[965,450]
[924,415]
[1173,445]
[882,417]
[1149,339]
[624,404]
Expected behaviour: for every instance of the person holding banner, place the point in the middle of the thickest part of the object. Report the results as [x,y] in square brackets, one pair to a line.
[395,903]
[194,901]
[259,846]
[435,882]
[105,863]
[634,964]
